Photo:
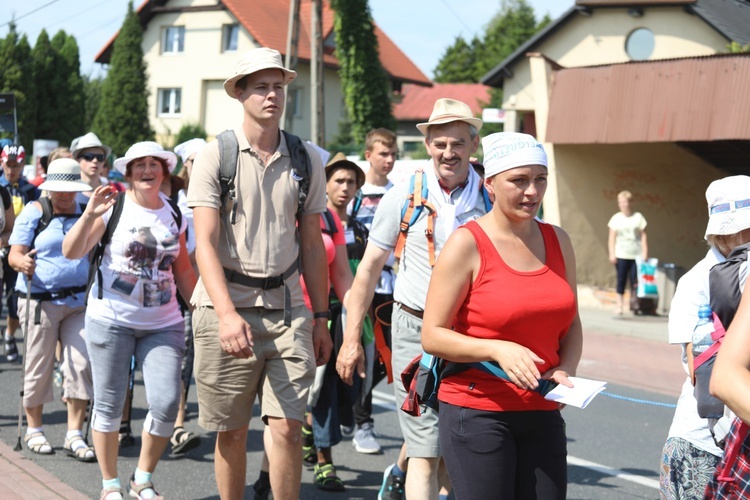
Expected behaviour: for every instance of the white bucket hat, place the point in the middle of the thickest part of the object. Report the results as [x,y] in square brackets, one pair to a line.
[450,110]
[64,176]
[90,140]
[189,148]
[728,205]
[142,150]
[255,60]
[506,150]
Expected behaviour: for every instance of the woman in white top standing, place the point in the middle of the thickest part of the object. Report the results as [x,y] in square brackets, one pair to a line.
[627,242]
[132,310]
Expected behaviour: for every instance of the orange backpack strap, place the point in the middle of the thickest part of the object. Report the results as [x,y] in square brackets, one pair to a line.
[383,350]
[416,201]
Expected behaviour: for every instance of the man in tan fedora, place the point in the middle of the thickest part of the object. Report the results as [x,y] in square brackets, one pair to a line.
[252,332]
[451,138]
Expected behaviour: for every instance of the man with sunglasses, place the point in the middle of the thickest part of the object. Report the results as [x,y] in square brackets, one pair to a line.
[91,155]
[21,192]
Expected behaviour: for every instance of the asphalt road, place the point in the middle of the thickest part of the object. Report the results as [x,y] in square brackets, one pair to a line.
[614,448]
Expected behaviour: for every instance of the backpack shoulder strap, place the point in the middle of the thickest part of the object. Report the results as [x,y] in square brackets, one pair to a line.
[46,217]
[229,153]
[357,203]
[417,201]
[329,223]
[301,167]
[98,252]
[176,212]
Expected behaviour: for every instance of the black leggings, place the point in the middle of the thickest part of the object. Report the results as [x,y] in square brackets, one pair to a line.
[626,268]
[504,455]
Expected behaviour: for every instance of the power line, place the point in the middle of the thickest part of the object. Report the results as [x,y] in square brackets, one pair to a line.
[84,11]
[28,13]
[455,14]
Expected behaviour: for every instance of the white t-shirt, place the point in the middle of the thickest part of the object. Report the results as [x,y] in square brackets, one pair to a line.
[628,238]
[692,292]
[139,290]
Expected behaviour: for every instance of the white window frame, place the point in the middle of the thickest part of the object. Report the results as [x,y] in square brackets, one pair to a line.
[173,40]
[229,33]
[297,99]
[172,97]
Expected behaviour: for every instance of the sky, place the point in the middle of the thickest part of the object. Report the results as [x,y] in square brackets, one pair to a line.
[423,29]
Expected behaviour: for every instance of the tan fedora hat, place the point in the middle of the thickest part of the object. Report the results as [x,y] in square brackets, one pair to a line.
[255,60]
[341,161]
[450,110]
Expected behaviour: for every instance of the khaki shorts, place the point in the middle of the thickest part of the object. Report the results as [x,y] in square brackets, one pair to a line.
[281,369]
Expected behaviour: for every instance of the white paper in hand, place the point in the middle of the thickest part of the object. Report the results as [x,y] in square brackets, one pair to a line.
[580,395]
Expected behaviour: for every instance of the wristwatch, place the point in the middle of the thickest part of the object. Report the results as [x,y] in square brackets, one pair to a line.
[322,315]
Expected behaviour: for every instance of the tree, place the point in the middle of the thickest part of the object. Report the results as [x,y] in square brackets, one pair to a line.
[71,102]
[363,79]
[459,62]
[15,61]
[92,95]
[122,117]
[50,85]
[190,131]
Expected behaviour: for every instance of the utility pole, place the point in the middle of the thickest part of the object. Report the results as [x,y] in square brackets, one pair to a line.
[290,59]
[317,123]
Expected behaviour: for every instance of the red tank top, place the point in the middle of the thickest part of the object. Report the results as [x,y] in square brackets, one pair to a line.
[534,309]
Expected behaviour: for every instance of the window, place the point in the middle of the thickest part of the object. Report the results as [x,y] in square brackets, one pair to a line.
[170,102]
[640,44]
[295,102]
[230,34]
[173,41]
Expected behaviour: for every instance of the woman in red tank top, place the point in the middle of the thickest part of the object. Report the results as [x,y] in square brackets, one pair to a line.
[503,290]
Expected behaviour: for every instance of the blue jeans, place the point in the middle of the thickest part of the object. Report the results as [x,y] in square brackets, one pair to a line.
[158,352]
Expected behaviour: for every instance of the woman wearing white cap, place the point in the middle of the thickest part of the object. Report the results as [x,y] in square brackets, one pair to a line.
[503,290]
[690,454]
[132,309]
[56,306]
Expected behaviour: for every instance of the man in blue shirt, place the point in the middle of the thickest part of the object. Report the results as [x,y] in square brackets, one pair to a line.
[21,192]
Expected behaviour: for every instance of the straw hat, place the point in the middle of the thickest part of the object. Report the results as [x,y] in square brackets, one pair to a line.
[142,150]
[450,110]
[340,161]
[90,140]
[256,60]
[728,205]
[64,176]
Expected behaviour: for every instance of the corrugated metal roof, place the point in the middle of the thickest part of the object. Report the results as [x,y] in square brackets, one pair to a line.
[690,99]
[417,102]
[628,3]
[267,21]
[731,18]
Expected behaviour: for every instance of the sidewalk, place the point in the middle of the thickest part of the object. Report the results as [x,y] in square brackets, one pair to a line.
[627,350]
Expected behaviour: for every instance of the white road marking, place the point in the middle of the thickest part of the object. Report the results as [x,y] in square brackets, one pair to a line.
[387,401]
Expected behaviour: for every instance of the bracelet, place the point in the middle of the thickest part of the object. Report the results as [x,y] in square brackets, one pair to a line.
[322,315]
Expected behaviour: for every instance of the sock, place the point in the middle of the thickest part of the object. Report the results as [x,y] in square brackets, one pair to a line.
[264,478]
[111,483]
[443,497]
[7,337]
[397,472]
[79,443]
[32,430]
[142,477]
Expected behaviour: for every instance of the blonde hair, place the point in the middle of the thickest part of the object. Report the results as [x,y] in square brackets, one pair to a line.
[625,194]
[61,152]
[382,135]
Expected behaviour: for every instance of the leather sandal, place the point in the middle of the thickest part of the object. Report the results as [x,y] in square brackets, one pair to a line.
[183,441]
[82,453]
[40,448]
[136,489]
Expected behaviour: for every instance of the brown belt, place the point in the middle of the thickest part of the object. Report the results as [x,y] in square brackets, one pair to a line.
[413,312]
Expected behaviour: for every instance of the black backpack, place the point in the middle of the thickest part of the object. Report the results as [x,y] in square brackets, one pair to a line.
[97,253]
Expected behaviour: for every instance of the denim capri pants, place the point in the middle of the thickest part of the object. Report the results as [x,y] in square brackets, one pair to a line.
[158,352]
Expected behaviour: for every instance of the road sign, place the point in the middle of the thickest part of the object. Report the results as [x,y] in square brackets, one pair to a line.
[493,115]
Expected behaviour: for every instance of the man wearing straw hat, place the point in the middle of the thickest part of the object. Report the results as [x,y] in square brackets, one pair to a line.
[451,138]
[252,339]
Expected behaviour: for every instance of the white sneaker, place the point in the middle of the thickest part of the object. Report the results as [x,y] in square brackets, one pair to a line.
[364,440]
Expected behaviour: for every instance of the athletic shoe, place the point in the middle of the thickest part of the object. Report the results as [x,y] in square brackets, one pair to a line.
[11,350]
[392,487]
[364,440]
[262,490]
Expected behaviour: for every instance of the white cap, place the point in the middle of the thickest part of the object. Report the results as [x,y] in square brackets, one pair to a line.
[189,148]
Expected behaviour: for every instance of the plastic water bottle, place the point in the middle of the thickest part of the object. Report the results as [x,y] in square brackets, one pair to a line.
[703,330]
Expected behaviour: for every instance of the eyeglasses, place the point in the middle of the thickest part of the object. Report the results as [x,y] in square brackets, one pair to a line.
[93,156]
[730,205]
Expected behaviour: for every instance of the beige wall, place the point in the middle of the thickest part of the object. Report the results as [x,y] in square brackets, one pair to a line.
[600,39]
[668,186]
[201,69]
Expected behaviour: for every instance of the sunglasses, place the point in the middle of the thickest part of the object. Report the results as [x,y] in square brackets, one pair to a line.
[93,156]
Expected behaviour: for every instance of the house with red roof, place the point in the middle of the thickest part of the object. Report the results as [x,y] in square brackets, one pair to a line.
[415,106]
[190,47]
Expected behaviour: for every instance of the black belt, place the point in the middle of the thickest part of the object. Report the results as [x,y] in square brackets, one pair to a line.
[43,296]
[413,312]
[270,283]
